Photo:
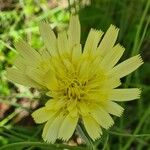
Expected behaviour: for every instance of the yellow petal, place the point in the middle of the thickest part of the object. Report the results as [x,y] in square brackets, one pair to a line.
[108,40]
[55,104]
[83,70]
[112,83]
[76,54]
[28,53]
[62,42]
[125,94]
[71,105]
[97,96]
[84,109]
[51,80]
[46,127]
[45,53]
[20,63]
[74,112]
[50,104]
[67,127]
[112,108]
[19,77]
[68,65]
[92,127]
[126,67]
[102,117]
[49,38]
[58,68]
[36,75]
[112,57]
[92,41]
[42,115]
[74,31]
[51,129]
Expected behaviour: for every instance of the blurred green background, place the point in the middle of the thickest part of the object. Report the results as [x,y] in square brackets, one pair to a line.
[20,18]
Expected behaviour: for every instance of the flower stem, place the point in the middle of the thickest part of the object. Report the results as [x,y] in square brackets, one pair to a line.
[86,138]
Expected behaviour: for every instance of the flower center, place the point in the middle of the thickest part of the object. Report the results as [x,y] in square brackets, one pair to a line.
[74,90]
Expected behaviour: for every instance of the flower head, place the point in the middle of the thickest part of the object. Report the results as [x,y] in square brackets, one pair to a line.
[82,83]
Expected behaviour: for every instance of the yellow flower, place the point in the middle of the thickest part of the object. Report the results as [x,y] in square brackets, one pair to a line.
[82,84]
